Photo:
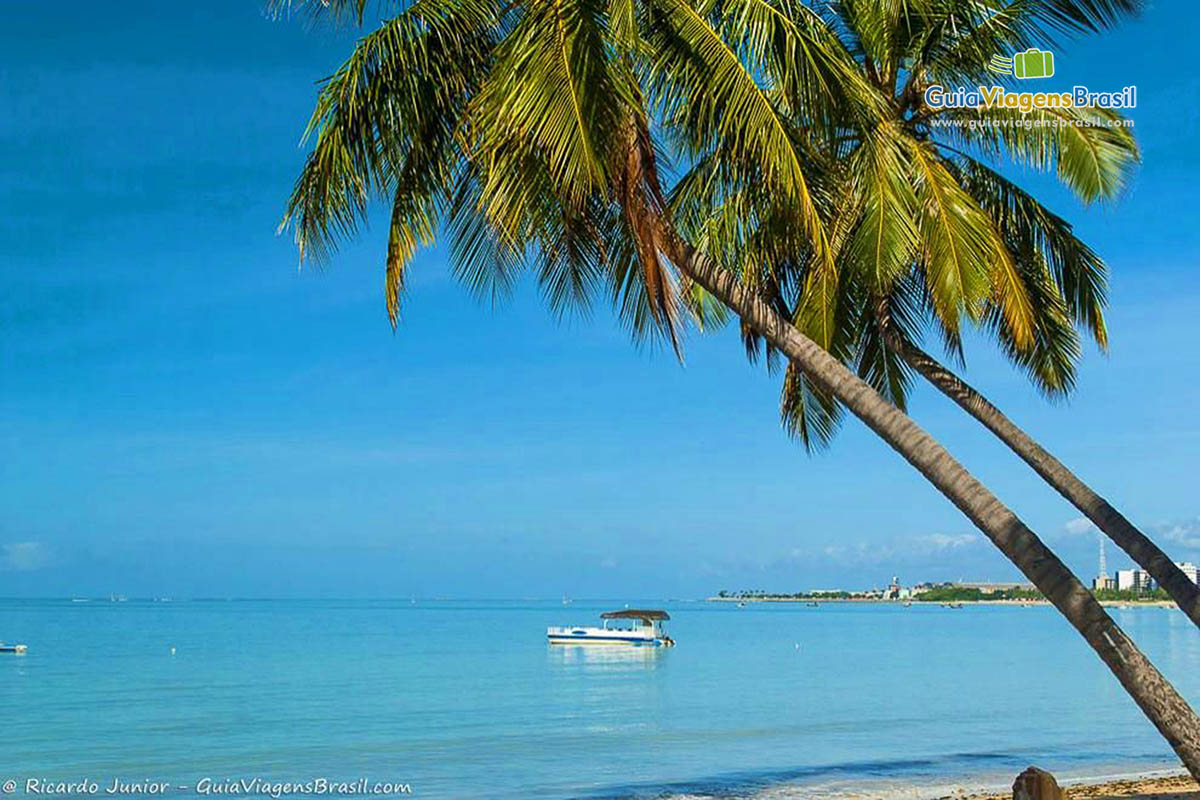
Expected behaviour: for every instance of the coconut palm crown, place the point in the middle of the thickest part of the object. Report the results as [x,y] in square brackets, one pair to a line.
[928,231]
[806,143]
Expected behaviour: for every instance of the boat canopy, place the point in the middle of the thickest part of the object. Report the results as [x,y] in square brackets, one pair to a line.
[646,614]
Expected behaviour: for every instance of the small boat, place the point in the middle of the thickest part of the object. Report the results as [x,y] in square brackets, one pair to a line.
[12,648]
[813,604]
[645,629]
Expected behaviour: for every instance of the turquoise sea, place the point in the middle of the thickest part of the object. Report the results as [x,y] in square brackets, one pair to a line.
[464,699]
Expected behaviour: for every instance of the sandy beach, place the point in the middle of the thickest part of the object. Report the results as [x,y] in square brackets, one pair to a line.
[932,603]
[1174,787]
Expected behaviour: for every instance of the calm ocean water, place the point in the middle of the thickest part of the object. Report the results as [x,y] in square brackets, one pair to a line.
[465,699]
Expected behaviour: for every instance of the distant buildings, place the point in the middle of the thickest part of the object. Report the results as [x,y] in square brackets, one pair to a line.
[1134,580]
[1139,581]
[985,587]
[990,587]
[971,590]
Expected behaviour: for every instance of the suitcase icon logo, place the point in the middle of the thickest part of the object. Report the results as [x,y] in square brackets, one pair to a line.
[1033,63]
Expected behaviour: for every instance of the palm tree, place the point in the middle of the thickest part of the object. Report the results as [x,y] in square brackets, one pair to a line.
[532,132]
[913,181]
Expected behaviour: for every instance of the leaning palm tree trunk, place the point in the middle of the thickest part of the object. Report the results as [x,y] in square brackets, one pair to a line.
[1164,707]
[1113,523]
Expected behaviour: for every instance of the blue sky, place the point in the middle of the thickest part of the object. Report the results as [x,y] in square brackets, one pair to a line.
[184,412]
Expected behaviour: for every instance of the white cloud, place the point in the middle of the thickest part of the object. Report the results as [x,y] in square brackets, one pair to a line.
[937,542]
[24,556]
[1184,534]
[832,551]
[1079,526]
[909,550]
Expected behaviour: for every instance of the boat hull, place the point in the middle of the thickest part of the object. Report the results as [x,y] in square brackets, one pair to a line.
[619,641]
[643,637]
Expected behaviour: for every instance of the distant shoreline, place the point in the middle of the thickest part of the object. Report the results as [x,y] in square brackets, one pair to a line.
[915,602]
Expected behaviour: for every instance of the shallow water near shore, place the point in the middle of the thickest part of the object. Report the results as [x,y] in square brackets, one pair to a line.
[465,699]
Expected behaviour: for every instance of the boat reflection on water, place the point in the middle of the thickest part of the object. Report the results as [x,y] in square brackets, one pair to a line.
[606,658]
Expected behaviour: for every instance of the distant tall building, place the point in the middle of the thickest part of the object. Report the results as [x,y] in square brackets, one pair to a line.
[1126,579]
[1103,581]
[1134,580]
[1190,569]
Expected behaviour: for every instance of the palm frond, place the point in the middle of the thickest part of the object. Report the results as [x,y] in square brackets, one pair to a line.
[799,58]
[808,412]
[334,11]
[551,91]
[389,107]
[887,237]
[1092,150]
[1080,275]
[709,96]
[481,256]
[965,260]
[1050,359]
[876,360]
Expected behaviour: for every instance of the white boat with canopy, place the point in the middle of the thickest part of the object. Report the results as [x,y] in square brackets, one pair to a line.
[640,627]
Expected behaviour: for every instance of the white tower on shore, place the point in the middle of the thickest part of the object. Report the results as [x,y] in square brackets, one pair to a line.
[1102,580]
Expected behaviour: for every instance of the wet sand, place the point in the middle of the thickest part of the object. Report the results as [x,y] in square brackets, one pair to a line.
[1175,787]
[932,603]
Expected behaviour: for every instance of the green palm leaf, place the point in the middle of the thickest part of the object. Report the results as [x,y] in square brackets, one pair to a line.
[710,96]
[1093,151]
[965,260]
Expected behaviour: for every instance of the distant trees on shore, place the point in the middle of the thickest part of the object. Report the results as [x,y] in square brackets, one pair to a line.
[943,593]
